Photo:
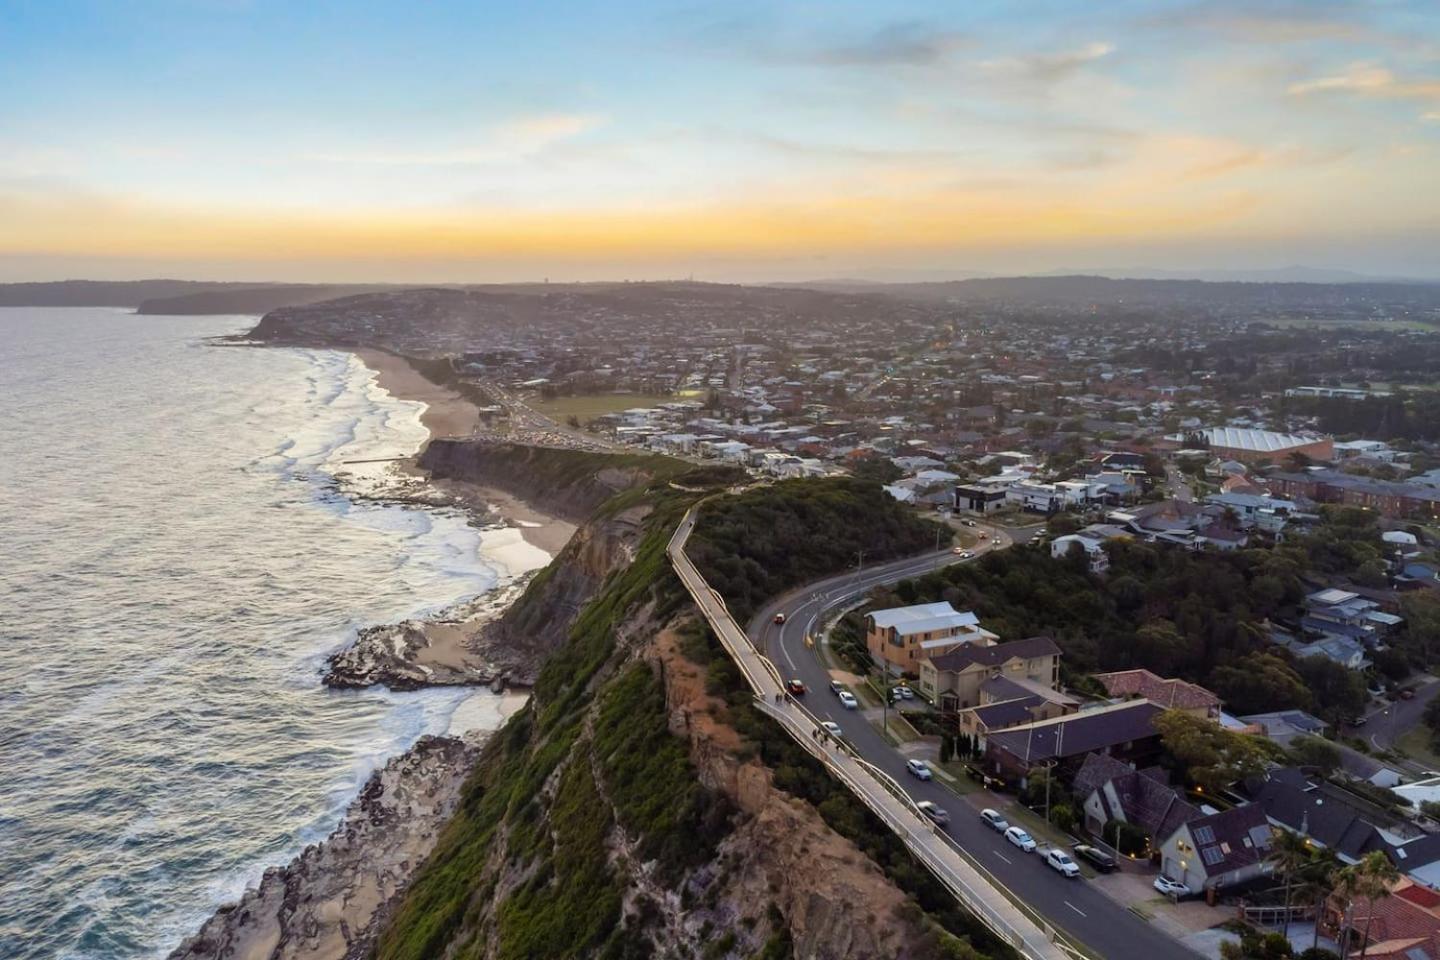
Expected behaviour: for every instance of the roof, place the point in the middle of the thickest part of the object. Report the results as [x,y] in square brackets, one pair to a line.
[1144,799]
[1332,596]
[972,654]
[923,618]
[1167,692]
[1256,441]
[1077,734]
[1008,713]
[1000,689]
[1289,798]
[1231,839]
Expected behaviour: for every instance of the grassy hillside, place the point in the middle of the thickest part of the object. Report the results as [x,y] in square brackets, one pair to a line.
[769,539]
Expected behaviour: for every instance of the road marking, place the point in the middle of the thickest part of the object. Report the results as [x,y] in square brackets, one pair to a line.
[1002,856]
[1075,908]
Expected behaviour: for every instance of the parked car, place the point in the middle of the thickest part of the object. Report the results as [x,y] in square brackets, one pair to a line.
[1020,838]
[907,693]
[1059,861]
[1096,857]
[936,814]
[836,687]
[1408,693]
[918,769]
[992,817]
[779,618]
[966,555]
[848,701]
[831,727]
[794,687]
[969,523]
[1171,888]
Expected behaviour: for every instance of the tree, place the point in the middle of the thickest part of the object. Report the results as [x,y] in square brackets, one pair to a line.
[947,748]
[1212,756]
[1309,751]
[1339,691]
[1376,875]
[1258,682]
[1288,853]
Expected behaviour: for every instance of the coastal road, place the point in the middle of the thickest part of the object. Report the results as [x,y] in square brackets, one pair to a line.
[1084,913]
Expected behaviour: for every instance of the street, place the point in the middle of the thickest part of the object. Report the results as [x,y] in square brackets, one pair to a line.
[1085,914]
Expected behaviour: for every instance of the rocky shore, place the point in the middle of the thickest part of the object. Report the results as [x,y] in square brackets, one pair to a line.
[329,902]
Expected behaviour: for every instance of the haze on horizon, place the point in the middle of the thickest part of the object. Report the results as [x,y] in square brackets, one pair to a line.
[381,141]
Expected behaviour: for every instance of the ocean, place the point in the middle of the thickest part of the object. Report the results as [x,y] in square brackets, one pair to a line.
[181,545]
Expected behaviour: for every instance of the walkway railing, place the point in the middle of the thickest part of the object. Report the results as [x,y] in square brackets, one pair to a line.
[976,891]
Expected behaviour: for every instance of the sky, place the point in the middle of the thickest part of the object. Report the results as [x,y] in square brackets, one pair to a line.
[430,141]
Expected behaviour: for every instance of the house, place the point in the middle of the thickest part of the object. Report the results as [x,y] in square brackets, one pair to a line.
[901,637]
[1091,540]
[1167,692]
[982,496]
[1218,850]
[952,679]
[1403,926]
[1343,613]
[1111,790]
[1125,731]
[1009,701]
[1285,725]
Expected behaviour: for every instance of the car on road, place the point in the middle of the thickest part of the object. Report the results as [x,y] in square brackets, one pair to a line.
[906,692]
[958,551]
[832,728]
[1408,693]
[918,769]
[1020,838]
[1060,862]
[969,523]
[795,687]
[1096,857]
[1171,888]
[983,535]
[779,618]
[997,822]
[936,814]
[848,701]
[966,555]
[836,687]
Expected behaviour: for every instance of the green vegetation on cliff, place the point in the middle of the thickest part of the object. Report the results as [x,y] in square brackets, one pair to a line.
[757,545]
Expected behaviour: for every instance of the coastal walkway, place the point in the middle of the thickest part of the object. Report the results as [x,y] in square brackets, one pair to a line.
[1030,937]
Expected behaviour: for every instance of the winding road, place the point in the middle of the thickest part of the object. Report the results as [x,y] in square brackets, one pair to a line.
[1085,914]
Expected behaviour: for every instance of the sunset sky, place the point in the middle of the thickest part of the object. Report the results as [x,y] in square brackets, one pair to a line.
[430,141]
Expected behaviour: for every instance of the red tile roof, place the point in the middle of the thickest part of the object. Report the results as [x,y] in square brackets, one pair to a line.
[1169,693]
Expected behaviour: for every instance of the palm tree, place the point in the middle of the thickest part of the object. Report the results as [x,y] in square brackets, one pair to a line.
[1288,853]
[1377,875]
[1346,883]
[1317,877]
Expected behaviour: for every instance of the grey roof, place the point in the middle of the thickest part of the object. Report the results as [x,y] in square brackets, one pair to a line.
[1258,441]
[1231,839]
[1077,734]
[994,655]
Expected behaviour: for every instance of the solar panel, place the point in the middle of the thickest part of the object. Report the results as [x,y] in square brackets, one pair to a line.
[1205,835]
[1211,855]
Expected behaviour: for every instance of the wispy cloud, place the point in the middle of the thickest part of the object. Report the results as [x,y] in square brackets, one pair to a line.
[514,140]
[1048,68]
[1370,79]
[914,43]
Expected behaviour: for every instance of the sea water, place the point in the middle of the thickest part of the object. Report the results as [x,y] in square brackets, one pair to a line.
[177,559]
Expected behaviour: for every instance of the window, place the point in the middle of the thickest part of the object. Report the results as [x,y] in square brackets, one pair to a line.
[1205,835]
[1211,855]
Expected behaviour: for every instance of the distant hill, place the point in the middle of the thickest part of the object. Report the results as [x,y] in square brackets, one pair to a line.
[100,293]
[251,299]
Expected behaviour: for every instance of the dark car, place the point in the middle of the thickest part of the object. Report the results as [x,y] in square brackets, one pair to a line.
[795,688]
[1094,856]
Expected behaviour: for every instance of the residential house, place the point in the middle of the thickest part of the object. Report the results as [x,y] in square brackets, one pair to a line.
[1009,701]
[1403,926]
[1124,730]
[952,679]
[1109,790]
[900,638]
[1219,849]
[1167,692]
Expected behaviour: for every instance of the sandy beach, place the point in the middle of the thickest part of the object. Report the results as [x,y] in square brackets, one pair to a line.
[448,414]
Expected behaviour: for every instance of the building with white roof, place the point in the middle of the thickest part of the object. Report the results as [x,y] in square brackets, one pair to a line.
[901,637]
[1249,445]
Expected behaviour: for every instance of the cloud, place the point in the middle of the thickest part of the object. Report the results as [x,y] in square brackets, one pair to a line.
[1370,79]
[514,140]
[915,43]
[1048,69]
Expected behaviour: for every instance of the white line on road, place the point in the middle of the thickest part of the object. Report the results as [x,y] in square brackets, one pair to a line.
[1002,856]
[1075,908]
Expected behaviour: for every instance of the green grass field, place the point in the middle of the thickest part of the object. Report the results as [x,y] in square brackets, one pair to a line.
[1415,744]
[587,407]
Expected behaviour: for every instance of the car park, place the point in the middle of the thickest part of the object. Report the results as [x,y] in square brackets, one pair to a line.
[936,814]
[918,769]
[1094,856]
[1060,862]
[848,701]
[1020,838]
[795,687]
[997,822]
[831,727]
[1171,888]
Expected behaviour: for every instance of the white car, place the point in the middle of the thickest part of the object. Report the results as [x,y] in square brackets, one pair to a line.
[907,693]
[831,727]
[936,814]
[1060,861]
[918,769]
[1171,888]
[1020,838]
[992,817]
[848,701]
